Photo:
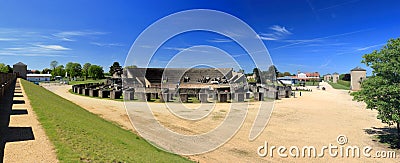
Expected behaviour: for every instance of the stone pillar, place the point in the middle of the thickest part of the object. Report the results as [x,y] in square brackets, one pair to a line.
[215,96]
[164,97]
[115,94]
[129,95]
[183,97]
[239,97]
[203,97]
[140,96]
[93,92]
[154,95]
[148,96]
[259,96]
[80,90]
[223,97]
[86,91]
[247,95]
[104,93]
[335,77]
[358,75]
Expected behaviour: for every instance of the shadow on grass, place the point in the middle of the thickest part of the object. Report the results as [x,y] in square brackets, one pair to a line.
[385,135]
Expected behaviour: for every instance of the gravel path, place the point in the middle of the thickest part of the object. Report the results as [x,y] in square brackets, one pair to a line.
[27,141]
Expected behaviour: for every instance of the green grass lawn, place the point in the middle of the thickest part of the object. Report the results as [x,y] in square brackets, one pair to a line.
[81,136]
[86,81]
[345,83]
[341,85]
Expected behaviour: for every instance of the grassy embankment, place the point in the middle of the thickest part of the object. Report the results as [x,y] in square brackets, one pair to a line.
[81,136]
[341,84]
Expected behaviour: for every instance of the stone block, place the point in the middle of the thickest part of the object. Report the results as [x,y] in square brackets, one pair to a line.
[183,97]
[86,91]
[247,95]
[104,93]
[93,92]
[259,96]
[239,97]
[223,97]
[203,97]
[115,94]
[129,95]
[164,97]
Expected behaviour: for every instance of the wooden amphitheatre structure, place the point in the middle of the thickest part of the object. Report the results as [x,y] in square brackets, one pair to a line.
[182,85]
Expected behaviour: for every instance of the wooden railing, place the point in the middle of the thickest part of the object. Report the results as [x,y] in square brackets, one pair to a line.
[6,79]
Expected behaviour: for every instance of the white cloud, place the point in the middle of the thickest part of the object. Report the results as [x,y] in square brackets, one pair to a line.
[369,47]
[106,44]
[280,30]
[8,39]
[219,40]
[277,33]
[67,35]
[53,47]
[321,38]
[30,54]
[268,36]
[187,49]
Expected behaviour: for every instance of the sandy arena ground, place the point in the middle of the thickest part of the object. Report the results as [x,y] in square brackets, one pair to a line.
[314,119]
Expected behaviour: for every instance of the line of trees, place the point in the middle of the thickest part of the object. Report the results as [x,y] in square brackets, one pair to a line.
[73,70]
[5,68]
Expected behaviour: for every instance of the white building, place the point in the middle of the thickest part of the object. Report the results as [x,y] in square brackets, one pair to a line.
[38,77]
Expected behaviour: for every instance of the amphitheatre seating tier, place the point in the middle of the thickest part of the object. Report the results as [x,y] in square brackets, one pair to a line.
[173,76]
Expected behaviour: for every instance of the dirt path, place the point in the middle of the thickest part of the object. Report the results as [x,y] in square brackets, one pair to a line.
[30,142]
[314,119]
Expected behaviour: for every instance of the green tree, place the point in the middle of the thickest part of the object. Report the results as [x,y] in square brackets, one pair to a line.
[10,69]
[85,70]
[256,72]
[58,71]
[36,71]
[53,64]
[313,80]
[272,73]
[46,71]
[381,91]
[3,68]
[115,67]
[131,66]
[96,72]
[73,69]
[286,74]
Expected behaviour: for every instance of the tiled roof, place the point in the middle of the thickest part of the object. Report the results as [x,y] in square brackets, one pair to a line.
[20,63]
[358,69]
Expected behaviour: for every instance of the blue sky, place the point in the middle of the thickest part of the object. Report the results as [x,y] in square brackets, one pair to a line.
[307,35]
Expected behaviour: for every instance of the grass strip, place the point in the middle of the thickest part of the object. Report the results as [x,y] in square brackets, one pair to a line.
[81,136]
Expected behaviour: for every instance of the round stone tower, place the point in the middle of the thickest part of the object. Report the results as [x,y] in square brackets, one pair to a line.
[358,74]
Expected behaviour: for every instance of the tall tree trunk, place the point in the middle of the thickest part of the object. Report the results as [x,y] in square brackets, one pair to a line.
[398,130]
[398,134]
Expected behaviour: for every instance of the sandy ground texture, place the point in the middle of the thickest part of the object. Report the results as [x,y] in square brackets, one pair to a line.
[31,144]
[316,119]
